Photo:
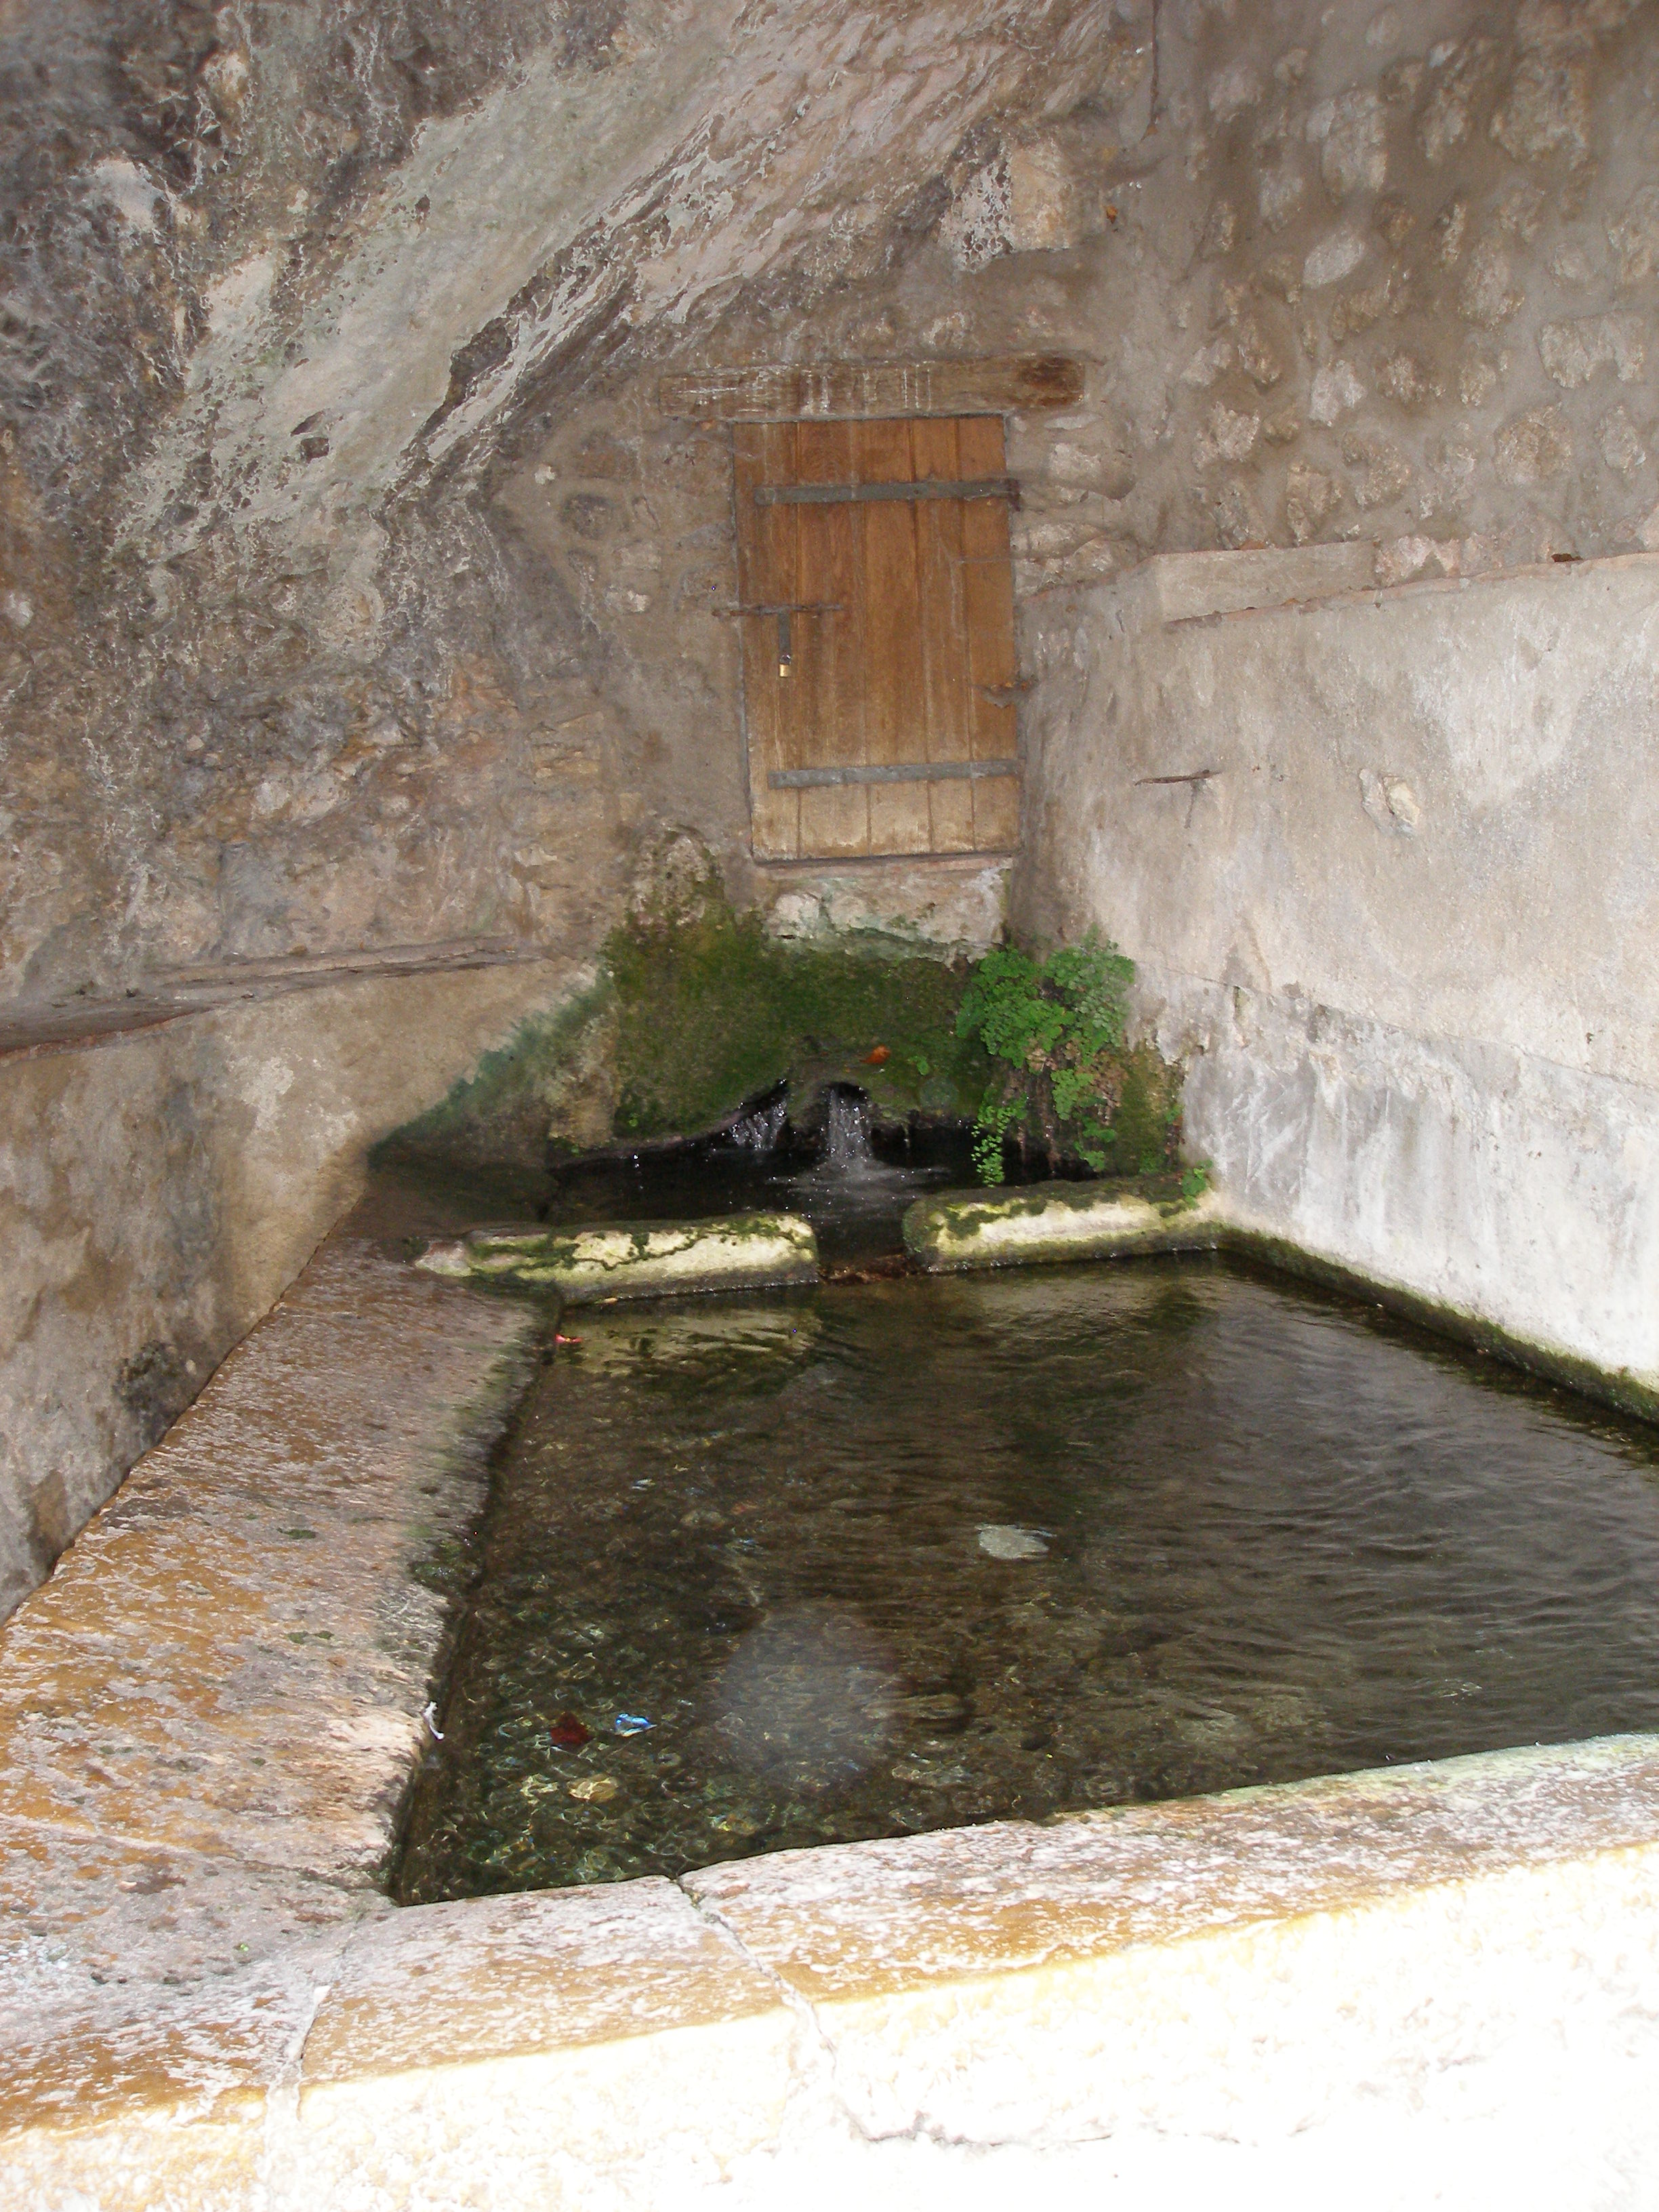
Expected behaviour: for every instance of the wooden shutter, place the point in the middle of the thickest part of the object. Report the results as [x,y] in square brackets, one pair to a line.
[901,639]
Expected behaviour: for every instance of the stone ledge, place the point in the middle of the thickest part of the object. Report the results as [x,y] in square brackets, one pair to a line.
[64,1024]
[1244,1968]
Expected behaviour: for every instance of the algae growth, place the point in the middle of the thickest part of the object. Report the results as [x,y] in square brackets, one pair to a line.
[712,1012]
[698,1011]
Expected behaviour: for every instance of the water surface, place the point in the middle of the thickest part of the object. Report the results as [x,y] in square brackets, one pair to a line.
[900,1555]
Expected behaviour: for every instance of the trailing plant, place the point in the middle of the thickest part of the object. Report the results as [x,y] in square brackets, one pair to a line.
[1054,1029]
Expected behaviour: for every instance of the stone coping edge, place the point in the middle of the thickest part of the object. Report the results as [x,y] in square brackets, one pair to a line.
[1243,1967]
[210,2005]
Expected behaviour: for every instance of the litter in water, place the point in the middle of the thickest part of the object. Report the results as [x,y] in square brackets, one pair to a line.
[1000,1539]
[631,1724]
[430,1716]
[595,1788]
[566,1733]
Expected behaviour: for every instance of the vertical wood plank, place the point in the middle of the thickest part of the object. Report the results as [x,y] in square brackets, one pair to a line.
[989,599]
[894,716]
[768,539]
[944,636]
[830,649]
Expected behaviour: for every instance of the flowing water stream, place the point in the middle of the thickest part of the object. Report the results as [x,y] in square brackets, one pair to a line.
[879,1558]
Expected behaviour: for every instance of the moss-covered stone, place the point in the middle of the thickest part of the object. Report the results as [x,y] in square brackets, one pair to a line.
[712,1011]
[698,1010]
[1074,1221]
[552,1083]
[640,1259]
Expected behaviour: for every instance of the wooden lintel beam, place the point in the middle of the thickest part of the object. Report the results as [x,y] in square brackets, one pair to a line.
[851,390]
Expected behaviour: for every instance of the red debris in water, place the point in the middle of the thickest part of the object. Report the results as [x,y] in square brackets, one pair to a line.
[557,1339]
[566,1733]
[883,1052]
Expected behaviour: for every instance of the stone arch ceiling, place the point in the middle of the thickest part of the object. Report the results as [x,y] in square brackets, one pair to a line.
[336,250]
[280,286]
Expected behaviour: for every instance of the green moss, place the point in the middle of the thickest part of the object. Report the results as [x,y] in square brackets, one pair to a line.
[712,1011]
[1195,1181]
[500,1114]
[698,1010]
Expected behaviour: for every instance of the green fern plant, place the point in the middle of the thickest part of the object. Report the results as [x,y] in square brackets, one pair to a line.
[1054,1029]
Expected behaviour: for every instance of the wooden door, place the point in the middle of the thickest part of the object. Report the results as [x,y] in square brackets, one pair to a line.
[879,707]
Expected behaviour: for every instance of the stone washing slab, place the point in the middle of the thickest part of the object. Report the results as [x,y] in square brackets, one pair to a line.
[1075,1221]
[640,1259]
[233,1656]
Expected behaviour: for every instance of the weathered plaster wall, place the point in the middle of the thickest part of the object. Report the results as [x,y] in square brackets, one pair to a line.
[157,1192]
[1387,861]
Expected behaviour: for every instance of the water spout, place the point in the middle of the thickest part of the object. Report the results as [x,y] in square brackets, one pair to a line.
[847,1135]
[759,1132]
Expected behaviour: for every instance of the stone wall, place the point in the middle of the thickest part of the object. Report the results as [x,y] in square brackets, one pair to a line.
[1385,860]
[354,590]
[158,1191]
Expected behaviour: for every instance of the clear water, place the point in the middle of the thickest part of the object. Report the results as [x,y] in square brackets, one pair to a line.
[905,1554]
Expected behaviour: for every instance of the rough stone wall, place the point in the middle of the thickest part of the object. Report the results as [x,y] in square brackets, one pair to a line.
[1418,252]
[1366,276]
[353,592]
[285,289]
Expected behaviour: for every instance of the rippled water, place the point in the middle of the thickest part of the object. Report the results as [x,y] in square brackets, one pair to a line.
[901,1555]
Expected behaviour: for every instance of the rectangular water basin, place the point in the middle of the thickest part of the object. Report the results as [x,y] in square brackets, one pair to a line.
[864,1561]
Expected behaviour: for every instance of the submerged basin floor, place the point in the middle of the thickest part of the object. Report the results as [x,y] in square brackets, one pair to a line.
[911,1555]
